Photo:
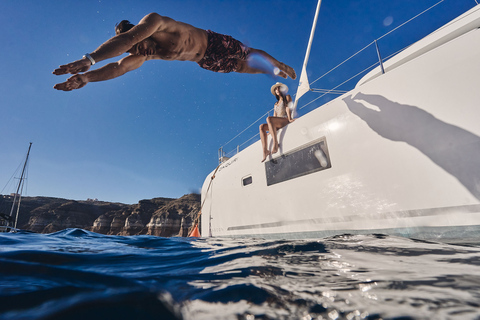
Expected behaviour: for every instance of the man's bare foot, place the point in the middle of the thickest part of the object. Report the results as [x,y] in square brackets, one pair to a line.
[291,73]
[282,74]
[265,155]
[287,70]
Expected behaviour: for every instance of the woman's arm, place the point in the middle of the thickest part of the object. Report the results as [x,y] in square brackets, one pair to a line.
[287,109]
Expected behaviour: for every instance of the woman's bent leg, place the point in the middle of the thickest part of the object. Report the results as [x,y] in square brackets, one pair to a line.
[275,123]
[263,137]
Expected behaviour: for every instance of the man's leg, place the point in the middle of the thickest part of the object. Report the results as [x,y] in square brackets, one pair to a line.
[283,69]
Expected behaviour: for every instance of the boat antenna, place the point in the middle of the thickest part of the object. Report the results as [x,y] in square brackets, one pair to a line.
[303,85]
[20,185]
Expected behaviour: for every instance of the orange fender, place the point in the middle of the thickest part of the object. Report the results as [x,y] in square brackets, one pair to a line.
[195,232]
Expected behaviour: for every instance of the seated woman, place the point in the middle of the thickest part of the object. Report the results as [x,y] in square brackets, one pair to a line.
[281,117]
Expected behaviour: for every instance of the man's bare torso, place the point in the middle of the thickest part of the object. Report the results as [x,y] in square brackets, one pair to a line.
[176,40]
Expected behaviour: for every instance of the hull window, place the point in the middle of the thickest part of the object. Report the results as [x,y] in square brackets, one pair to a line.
[247,180]
[308,159]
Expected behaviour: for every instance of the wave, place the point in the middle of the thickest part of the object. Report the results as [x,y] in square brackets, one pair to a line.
[75,274]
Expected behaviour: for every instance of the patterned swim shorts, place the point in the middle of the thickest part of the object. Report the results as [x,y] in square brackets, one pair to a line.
[222,53]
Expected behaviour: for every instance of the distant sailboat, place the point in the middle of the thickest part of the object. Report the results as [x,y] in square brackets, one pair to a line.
[9,223]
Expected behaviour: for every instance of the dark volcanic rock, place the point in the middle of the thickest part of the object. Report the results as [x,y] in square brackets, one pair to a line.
[163,217]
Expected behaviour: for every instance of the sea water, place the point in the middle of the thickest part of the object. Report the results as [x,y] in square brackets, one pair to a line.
[76,274]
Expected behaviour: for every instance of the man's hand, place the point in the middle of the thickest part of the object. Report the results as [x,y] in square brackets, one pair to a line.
[75,67]
[74,82]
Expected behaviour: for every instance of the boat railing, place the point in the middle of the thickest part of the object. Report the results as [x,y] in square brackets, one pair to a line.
[358,65]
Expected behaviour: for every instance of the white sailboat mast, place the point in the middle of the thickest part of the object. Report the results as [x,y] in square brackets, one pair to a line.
[20,188]
[303,85]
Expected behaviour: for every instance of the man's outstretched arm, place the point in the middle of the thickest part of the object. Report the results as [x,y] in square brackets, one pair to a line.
[116,45]
[107,72]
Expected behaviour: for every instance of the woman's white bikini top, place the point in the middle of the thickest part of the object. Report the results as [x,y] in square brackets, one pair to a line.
[280,109]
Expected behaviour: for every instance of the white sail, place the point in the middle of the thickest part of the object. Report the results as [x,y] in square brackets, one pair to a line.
[304,84]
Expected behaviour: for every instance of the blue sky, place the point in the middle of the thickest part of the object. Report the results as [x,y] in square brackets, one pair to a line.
[155,132]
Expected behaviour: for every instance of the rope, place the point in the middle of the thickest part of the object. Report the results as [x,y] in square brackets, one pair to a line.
[363,50]
[386,34]
[329,91]
[201,206]
[380,38]
[247,141]
[368,45]
[339,85]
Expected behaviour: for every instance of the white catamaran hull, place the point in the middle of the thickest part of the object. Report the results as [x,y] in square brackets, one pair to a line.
[399,154]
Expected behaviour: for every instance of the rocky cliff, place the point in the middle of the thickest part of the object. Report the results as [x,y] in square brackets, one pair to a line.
[163,217]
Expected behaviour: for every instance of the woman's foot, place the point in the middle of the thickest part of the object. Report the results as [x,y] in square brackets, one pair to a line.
[275,149]
[265,155]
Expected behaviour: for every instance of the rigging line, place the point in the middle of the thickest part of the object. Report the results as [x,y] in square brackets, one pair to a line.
[247,127]
[373,65]
[379,39]
[234,150]
[9,182]
[436,4]
[254,136]
[312,101]
[395,53]
[209,185]
[368,45]
[241,145]
[203,202]
[329,91]
[365,68]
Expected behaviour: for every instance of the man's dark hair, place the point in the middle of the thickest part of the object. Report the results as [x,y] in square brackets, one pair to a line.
[123,26]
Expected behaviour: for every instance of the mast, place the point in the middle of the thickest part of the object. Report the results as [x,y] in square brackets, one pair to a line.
[303,85]
[20,188]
